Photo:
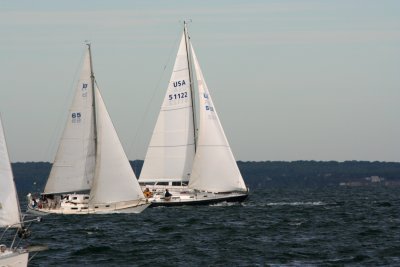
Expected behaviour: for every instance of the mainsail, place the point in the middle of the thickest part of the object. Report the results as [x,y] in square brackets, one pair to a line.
[171,151]
[9,207]
[114,179]
[74,164]
[214,167]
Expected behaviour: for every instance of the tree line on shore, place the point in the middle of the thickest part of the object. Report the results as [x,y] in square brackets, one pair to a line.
[32,176]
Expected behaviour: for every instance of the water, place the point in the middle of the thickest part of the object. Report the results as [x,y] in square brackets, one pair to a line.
[287,227]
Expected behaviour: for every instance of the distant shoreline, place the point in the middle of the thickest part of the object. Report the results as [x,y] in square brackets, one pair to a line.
[32,176]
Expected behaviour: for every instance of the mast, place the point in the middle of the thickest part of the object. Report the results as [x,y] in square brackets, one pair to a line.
[92,80]
[187,38]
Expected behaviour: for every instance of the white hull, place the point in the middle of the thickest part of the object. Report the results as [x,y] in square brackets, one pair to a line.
[137,208]
[17,258]
[81,206]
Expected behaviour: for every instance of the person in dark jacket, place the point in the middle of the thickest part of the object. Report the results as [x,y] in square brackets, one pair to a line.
[167,195]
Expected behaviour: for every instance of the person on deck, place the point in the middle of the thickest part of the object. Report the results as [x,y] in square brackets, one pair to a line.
[167,195]
[34,203]
[147,193]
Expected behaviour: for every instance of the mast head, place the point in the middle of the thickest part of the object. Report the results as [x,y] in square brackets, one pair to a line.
[185,23]
[88,43]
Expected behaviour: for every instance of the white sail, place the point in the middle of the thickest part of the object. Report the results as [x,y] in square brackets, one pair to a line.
[73,167]
[114,179]
[171,150]
[9,207]
[214,167]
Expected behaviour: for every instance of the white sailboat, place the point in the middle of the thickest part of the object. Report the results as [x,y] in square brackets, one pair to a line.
[197,167]
[90,173]
[10,215]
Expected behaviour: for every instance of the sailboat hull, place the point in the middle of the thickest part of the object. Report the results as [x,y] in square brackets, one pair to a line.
[14,258]
[197,198]
[128,209]
[67,207]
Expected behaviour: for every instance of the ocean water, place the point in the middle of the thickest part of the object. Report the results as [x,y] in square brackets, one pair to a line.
[275,227]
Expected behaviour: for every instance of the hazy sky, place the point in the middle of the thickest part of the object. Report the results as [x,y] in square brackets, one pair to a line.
[291,80]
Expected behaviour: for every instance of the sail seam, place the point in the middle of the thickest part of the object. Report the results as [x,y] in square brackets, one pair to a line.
[214,145]
[172,109]
[174,146]
[179,70]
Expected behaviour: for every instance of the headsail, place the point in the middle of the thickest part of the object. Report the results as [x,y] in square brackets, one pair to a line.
[214,167]
[73,167]
[114,179]
[9,207]
[171,150]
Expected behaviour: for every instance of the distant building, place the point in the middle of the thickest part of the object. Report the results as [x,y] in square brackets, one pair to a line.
[371,180]
[375,179]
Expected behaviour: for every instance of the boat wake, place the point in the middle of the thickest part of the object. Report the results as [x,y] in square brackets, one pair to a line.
[315,203]
[225,204]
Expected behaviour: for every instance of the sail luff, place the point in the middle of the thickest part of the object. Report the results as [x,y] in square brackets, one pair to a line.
[214,166]
[191,83]
[10,214]
[92,80]
[170,153]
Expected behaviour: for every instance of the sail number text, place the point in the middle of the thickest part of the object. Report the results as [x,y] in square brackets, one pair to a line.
[178,96]
[76,117]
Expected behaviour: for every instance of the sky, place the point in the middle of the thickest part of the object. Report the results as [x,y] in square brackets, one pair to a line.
[291,79]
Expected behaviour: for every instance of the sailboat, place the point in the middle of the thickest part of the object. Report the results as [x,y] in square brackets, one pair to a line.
[193,161]
[91,173]
[10,215]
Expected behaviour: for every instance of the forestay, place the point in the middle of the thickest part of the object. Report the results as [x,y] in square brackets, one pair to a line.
[74,164]
[171,150]
[214,167]
[9,207]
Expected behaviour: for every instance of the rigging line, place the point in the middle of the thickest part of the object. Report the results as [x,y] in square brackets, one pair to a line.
[155,90]
[56,130]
